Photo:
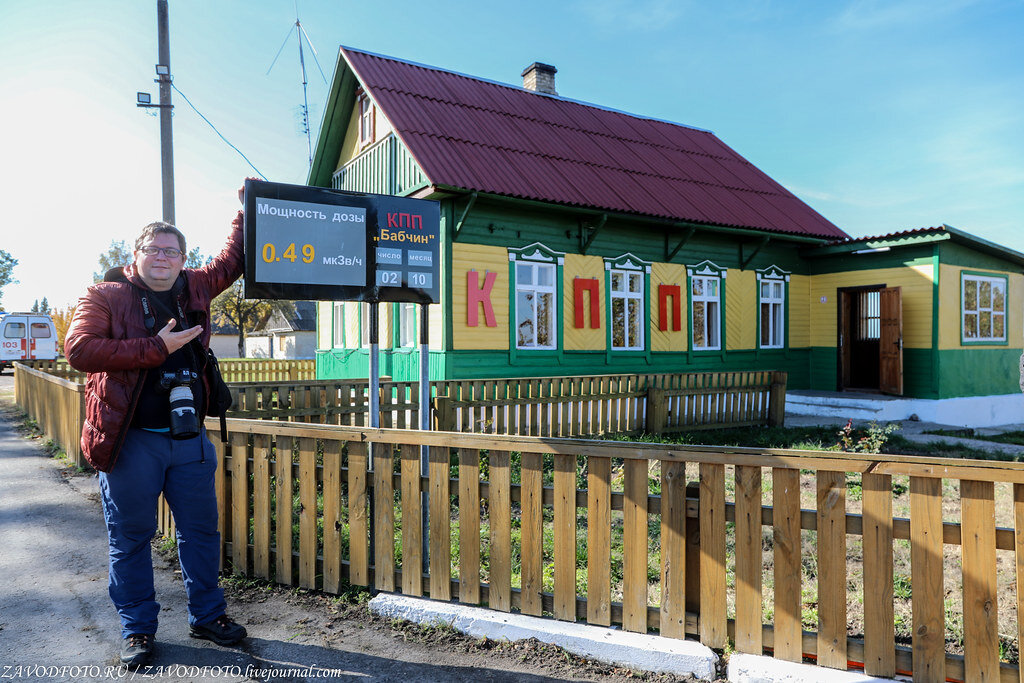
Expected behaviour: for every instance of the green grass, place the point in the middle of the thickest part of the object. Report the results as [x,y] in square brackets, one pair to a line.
[827,438]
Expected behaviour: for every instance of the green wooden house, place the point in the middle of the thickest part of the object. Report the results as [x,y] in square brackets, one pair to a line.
[581,240]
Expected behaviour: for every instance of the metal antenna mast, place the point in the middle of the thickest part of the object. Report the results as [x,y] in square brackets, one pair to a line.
[301,35]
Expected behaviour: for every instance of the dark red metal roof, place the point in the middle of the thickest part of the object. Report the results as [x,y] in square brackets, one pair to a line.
[489,137]
[913,232]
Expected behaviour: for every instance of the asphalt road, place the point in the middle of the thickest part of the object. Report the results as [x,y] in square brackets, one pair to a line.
[57,622]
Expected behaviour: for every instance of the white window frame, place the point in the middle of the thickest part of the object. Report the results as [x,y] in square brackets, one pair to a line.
[367,120]
[626,296]
[776,308]
[706,275]
[994,281]
[338,319]
[537,291]
[406,325]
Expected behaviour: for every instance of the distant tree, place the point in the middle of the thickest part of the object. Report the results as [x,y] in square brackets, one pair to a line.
[118,254]
[35,307]
[231,307]
[196,260]
[7,263]
[61,321]
[44,307]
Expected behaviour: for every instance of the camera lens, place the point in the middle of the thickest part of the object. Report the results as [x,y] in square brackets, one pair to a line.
[184,421]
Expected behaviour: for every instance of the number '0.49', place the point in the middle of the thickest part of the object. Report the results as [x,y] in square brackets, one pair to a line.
[270,253]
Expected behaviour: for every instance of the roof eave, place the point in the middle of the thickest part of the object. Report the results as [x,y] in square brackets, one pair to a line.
[874,243]
[985,246]
[945,233]
[656,220]
[331,135]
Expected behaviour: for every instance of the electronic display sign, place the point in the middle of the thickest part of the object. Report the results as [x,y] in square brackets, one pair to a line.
[314,243]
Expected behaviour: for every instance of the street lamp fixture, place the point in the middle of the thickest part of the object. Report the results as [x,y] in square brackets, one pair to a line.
[143,99]
[163,70]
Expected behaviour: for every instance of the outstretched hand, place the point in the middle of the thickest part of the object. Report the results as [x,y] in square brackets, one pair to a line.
[175,340]
[241,190]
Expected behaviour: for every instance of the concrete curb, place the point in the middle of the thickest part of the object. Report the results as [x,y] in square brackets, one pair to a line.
[755,669]
[633,650]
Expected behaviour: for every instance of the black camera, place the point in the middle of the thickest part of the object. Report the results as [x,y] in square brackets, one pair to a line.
[184,420]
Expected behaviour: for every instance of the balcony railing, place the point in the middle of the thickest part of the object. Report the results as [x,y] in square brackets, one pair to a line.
[386,167]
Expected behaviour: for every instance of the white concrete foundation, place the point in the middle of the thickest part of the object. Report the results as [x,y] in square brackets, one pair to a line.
[755,669]
[973,411]
[633,650]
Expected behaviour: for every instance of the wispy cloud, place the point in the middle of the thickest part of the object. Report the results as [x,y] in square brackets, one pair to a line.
[868,15]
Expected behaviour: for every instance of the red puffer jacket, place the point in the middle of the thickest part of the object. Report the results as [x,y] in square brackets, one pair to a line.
[108,339]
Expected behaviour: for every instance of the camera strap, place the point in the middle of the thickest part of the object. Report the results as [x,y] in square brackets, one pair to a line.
[150,321]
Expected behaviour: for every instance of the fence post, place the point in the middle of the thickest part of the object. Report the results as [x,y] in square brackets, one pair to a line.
[444,416]
[385,403]
[655,410]
[777,400]
[293,372]
[693,548]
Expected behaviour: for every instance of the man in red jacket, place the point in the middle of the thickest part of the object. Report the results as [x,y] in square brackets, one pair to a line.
[142,337]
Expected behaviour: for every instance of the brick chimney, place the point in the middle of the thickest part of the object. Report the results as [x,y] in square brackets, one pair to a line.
[540,78]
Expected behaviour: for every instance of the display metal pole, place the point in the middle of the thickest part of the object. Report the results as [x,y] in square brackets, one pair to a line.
[425,426]
[374,416]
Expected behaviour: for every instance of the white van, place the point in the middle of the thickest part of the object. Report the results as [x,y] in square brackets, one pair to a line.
[26,336]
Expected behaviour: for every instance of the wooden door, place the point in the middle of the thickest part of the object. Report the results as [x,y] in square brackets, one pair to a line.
[890,348]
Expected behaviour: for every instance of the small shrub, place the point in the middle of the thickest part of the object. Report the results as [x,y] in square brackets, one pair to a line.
[871,440]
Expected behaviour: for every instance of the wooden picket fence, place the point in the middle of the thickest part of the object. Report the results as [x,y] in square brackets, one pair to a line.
[56,403]
[678,540]
[266,370]
[232,369]
[538,406]
[710,499]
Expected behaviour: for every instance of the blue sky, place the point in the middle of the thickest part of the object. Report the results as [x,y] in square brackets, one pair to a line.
[883,116]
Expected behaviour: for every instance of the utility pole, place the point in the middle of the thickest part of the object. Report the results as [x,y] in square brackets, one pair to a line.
[163,70]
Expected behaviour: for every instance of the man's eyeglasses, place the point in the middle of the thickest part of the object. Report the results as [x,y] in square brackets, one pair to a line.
[169,252]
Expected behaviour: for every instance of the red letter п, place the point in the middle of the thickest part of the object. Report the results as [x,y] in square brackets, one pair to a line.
[580,285]
[477,295]
[666,292]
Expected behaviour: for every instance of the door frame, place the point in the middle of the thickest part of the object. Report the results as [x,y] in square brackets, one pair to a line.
[844,307]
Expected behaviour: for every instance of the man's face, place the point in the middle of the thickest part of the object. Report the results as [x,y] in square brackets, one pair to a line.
[159,271]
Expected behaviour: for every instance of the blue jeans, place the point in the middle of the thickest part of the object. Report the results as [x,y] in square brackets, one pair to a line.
[151,463]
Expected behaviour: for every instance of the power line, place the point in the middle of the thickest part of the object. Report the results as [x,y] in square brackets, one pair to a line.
[189,102]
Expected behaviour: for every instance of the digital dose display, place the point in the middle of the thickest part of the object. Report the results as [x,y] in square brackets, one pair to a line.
[301,242]
[314,243]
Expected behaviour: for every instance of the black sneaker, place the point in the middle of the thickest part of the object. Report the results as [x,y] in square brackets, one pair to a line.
[222,631]
[136,649]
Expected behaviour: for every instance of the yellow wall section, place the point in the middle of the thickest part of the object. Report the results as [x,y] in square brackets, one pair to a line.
[324,323]
[949,307]
[436,328]
[352,324]
[916,283]
[350,145]
[350,148]
[740,309]
[798,310]
[466,257]
[585,338]
[669,340]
